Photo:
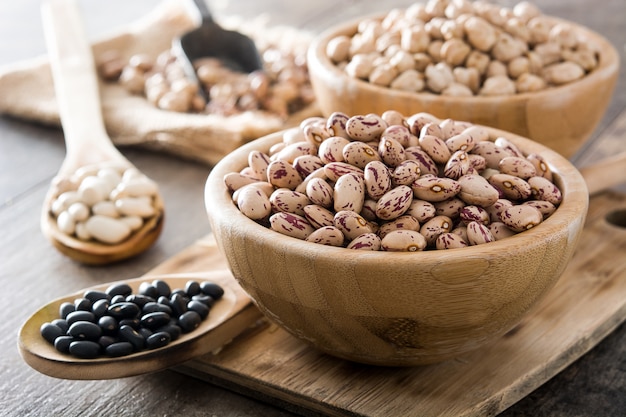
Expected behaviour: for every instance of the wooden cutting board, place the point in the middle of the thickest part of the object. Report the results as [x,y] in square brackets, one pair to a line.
[588,302]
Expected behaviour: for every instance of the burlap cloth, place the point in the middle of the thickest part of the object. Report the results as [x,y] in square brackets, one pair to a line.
[27,92]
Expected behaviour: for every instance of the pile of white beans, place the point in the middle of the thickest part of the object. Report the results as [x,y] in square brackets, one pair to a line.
[104,204]
[281,88]
[464,48]
[394,183]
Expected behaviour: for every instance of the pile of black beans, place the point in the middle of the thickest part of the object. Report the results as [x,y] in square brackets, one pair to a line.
[117,322]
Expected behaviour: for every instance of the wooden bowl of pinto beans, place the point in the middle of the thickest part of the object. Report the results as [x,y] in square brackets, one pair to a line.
[379,246]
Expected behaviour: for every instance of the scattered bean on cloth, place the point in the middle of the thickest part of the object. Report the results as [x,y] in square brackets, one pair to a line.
[394,183]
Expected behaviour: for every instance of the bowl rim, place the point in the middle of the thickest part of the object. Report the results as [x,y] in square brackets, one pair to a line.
[608,65]
[222,210]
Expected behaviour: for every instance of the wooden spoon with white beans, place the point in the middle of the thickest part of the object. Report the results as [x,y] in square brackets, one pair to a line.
[117,211]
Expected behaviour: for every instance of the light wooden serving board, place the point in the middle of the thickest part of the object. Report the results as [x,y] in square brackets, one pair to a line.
[588,302]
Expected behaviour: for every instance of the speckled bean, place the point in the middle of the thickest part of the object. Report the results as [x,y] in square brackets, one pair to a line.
[351,224]
[320,192]
[478,234]
[306,164]
[435,188]
[545,207]
[405,173]
[359,154]
[421,210]
[435,147]
[290,152]
[291,225]
[335,170]
[521,217]
[474,214]
[403,241]
[284,199]
[500,230]
[365,127]
[331,150]
[366,241]
[394,203]
[450,208]
[254,203]
[258,162]
[519,167]
[457,165]
[349,193]
[510,186]
[318,216]
[477,191]
[450,241]
[377,179]
[282,174]
[327,235]
[434,227]
[404,222]
[492,153]
[336,124]
[543,189]
[427,165]
[391,152]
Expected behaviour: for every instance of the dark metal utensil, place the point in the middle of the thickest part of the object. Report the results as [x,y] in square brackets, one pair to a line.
[236,50]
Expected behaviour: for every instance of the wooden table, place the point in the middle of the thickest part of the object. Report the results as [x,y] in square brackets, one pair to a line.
[32,272]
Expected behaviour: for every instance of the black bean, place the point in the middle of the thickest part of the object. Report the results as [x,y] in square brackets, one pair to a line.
[105,341]
[199,308]
[158,340]
[122,289]
[100,307]
[139,300]
[80,315]
[50,332]
[130,335]
[204,299]
[212,289]
[83,304]
[65,309]
[108,325]
[178,304]
[189,321]
[192,288]
[118,299]
[148,289]
[162,287]
[144,332]
[85,349]
[156,307]
[134,322]
[172,329]
[178,291]
[63,324]
[93,295]
[62,343]
[125,310]
[155,320]
[164,300]
[119,349]
[119,289]
[85,330]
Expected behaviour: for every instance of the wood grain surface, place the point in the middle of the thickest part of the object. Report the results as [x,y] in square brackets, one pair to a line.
[32,272]
[587,303]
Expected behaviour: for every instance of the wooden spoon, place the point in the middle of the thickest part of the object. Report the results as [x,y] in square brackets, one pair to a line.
[230,316]
[87,143]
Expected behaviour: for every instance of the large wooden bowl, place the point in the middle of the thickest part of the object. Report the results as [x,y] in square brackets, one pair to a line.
[562,118]
[389,308]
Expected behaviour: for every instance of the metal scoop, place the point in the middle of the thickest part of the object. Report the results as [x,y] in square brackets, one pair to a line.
[236,50]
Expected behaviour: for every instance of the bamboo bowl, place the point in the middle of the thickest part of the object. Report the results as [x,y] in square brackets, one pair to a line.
[562,118]
[396,309]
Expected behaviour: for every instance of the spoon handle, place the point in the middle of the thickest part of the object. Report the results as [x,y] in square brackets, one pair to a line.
[205,13]
[76,85]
